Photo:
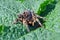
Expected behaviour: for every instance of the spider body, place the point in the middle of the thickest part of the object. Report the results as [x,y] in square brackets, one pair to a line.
[28,17]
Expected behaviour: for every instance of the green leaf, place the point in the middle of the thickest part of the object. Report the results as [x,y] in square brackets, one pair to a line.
[52,30]
[32,4]
[53,19]
[42,6]
[44,35]
[1,29]
[9,9]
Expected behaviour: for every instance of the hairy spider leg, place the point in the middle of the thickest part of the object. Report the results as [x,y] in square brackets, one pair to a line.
[25,23]
[39,22]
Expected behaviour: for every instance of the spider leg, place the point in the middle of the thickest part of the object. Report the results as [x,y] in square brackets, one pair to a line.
[16,21]
[39,22]
[32,23]
[25,23]
[40,17]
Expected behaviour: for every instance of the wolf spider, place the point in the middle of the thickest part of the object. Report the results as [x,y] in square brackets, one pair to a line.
[28,17]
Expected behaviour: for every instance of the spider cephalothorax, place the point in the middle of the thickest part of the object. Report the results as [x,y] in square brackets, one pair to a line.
[29,17]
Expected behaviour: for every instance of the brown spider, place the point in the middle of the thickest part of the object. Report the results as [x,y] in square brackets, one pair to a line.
[28,17]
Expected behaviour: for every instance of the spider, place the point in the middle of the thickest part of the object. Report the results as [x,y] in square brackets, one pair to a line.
[28,17]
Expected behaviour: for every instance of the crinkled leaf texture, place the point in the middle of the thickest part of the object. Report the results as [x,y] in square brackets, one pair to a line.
[9,9]
[52,30]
